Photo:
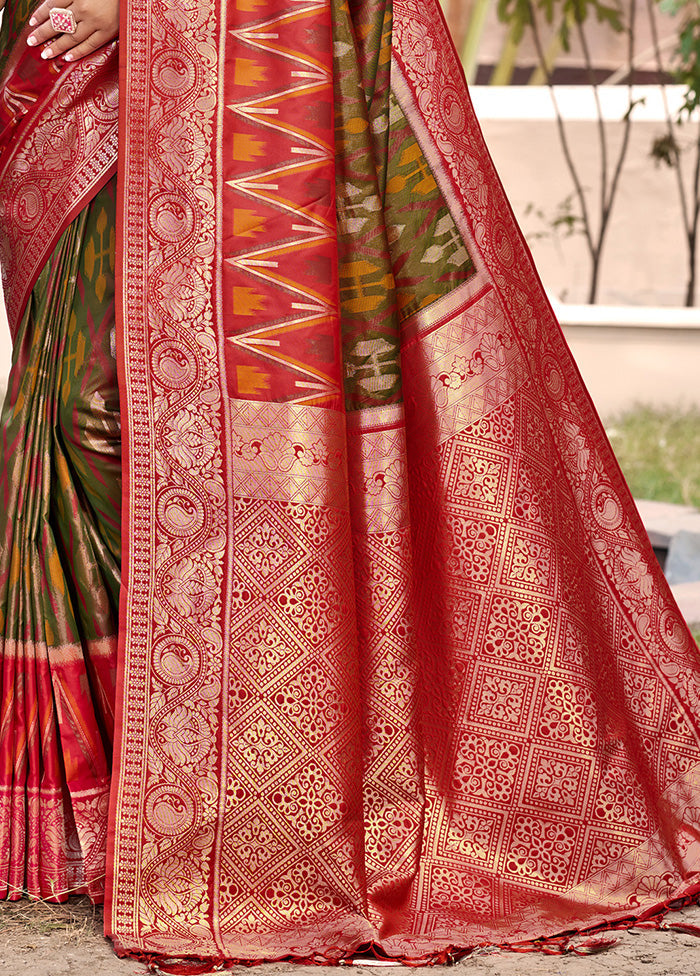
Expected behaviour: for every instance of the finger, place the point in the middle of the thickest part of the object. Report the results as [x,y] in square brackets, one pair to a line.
[45,29]
[58,43]
[88,46]
[42,13]
[42,34]
[2,4]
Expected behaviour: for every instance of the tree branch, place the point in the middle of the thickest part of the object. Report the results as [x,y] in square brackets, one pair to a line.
[563,138]
[669,121]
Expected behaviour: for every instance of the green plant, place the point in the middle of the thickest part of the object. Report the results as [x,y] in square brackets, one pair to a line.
[565,17]
[667,149]
[561,223]
[659,452]
[562,14]
[686,69]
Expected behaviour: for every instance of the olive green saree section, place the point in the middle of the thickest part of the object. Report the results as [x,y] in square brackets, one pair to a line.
[59,569]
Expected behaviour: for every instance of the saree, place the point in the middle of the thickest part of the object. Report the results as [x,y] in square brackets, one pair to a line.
[59,471]
[396,666]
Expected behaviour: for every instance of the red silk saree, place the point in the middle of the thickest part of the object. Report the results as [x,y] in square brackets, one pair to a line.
[396,663]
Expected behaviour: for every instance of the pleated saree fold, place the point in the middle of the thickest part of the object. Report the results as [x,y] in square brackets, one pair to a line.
[60,470]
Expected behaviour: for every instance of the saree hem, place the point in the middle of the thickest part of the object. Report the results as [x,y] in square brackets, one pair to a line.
[581,941]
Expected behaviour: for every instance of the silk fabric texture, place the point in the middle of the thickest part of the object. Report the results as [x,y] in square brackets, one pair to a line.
[396,662]
[59,469]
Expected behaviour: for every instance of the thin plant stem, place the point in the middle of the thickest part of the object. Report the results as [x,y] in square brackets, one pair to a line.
[539,73]
[609,182]
[693,236]
[689,214]
[472,39]
[503,72]
[669,121]
[564,139]
[602,135]
[608,195]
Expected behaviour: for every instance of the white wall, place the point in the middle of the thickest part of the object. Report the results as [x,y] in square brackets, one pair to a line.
[628,356]
[644,257]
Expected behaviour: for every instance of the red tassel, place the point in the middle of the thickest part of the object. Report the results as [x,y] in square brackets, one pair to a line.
[183,967]
[682,927]
[592,946]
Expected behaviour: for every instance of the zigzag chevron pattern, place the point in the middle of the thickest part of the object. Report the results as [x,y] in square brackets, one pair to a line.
[280,296]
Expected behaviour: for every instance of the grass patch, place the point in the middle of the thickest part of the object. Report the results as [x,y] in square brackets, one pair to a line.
[659,453]
[75,918]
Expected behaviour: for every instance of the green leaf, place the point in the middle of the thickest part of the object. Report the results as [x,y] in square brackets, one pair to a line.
[664,149]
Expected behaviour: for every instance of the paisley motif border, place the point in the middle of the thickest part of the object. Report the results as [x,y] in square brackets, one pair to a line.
[170,386]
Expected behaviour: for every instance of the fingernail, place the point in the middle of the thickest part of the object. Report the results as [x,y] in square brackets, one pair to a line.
[31,41]
[68,57]
[32,21]
[46,53]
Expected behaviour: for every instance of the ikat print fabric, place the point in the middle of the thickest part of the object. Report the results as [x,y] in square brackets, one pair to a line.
[396,664]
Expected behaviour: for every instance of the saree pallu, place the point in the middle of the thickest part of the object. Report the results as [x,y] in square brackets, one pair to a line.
[396,663]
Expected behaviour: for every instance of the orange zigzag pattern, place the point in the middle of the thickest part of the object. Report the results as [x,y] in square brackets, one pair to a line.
[280,295]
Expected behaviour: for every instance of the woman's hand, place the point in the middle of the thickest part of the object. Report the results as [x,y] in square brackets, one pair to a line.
[97,23]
